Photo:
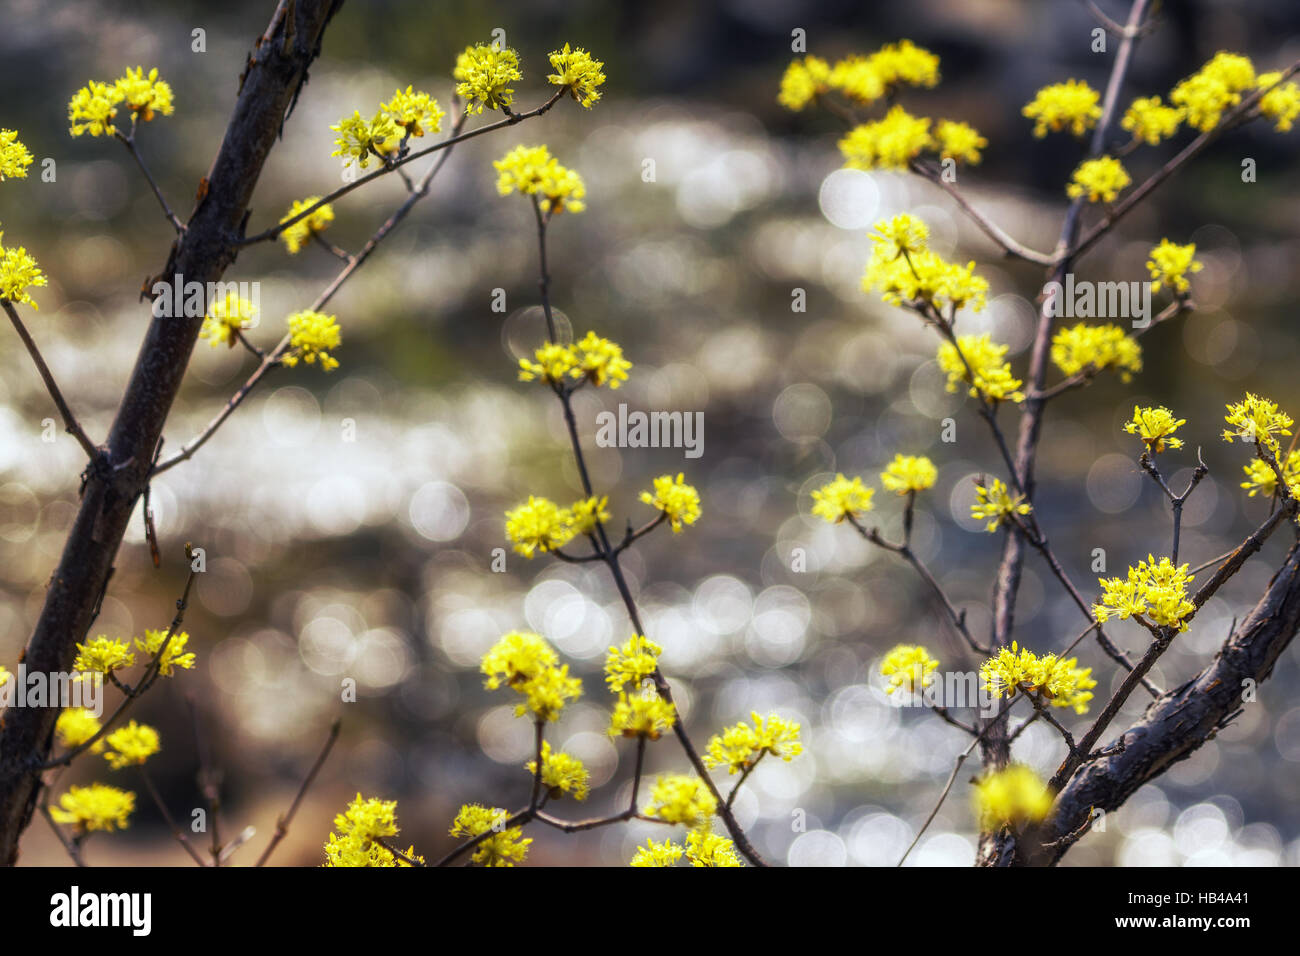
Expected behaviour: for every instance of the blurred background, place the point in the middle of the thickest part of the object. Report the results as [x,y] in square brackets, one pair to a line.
[370,558]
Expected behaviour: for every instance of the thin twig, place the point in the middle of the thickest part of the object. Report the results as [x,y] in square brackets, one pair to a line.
[282,822]
[69,420]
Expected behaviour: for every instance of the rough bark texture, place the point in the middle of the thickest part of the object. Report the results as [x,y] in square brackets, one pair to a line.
[274,73]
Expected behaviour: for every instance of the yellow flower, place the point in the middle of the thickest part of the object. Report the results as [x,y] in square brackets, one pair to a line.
[679,501]
[524,662]
[632,663]
[1169,264]
[904,234]
[103,656]
[416,113]
[903,275]
[657,854]
[643,714]
[1060,681]
[599,361]
[980,357]
[539,525]
[1257,420]
[909,473]
[909,666]
[311,336]
[578,71]
[145,94]
[361,825]
[75,726]
[588,513]
[705,848]
[1214,88]
[561,774]
[532,170]
[1101,180]
[1072,105]
[226,318]
[842,498]
[678,798]
[1281,103]
[1156,427]
[1262,479]
[18,273]
[740,746]
[995,503]
[888,143]
[1150,121]
[959,141]
[905,62]
[131,745]
[360,140]
[96,807]
[1156,590]
[1011,797]
[297,235]
[803,82]
[857,78]
[1098,347]
[553,363]
[14,156]
[92,108]
[505,847]
[176,655]
[483,76]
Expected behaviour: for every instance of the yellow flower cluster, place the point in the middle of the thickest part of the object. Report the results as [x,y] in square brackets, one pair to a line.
[633,663]
[1072,105]
[131,745]
[297,235]
[505,847]
[657,854]
[533,171]
[1058,680]
[979,362]
[360,140]
[96,807]
[803,81]
[524,662]
[862,79]
[703,848]
[14,156]
[103,655]
[842,498]
[1150,121]
[18,273]
[593,358]
[888,143]
[676,499]
[92,108]
[561,774]
[1282,101]
[1097,347]
[959,141]
[740,746]
[360,826]
[542,525]
[1257,420]
[311,336]
[678,798]
[1155,425]
[1213,88]
[76,726]
[1012,796]
[1155,590]
[1100,180]
[414,112]
[1262,479]
[579,72]
[909,666]
[909,473]
[483,75]
[904,269]
[1169,264]
[176,655]
[994,503]
[642,714]
[226,318]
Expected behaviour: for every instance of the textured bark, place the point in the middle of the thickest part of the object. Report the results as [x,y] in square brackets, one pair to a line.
[1175,724]
[273,75]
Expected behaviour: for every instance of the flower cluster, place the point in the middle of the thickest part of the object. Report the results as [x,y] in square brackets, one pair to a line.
[483,75]
[1262,479]
[1282,101]
[175,655]
[524,662]
[93,107]
[1057,680]
[1100,180]
[1154,591]
[741,746]
[227,318]
[14,156]
[131,745]
[1155,425]
[579,72]
[593,359]
[297,234]
[642,714]
[533,171]
[888,143]
[862,79]
[1213,88]
[904,269]
[541,525]
[1257,420]
[360,140]
[360,827]
[77,726]
[981,363]
[1169,264]
[703,848]
[18,273]
[678,798]
[414,112]
[1097,347]
[505,847]
[1012,796]
[561,774]
[1072,105]
[96,807]
[311,336]
[679,501]
[1150,121]
[909,666]
[103,655]
[996,505]
[633,663]
[842,498]
[959,141]
[907,474]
